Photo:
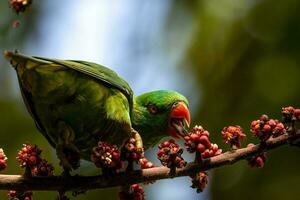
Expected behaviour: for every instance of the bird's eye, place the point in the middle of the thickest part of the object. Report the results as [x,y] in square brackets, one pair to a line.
[152,108]
[175,105]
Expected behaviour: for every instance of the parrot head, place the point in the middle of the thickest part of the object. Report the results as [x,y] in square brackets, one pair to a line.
[160,113]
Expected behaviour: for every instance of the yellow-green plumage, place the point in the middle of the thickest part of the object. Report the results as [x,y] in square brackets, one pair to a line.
[94,110]
[79,102]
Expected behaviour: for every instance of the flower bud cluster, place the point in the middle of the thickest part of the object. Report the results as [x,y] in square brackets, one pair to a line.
[136,193]
[3,159]
[257,161]
[130,151]
[19,5]
[107,156]
[30,156]
[200,181]
[198,141]
[43,169]
[264,128]
[290,114]
[169,154]
[14,195]
[233,135]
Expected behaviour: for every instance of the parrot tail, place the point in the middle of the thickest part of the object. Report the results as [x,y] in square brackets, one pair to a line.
[16,59]
[9,56]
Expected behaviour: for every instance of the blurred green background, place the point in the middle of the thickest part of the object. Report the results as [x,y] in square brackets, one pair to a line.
[234,60]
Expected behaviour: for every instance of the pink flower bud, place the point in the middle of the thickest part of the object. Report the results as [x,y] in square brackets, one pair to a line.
[201,147]
[200,181]
[233,135]
[258,161]
[170,155]
[106,156]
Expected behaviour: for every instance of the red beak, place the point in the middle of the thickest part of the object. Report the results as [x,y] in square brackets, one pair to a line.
[181,113]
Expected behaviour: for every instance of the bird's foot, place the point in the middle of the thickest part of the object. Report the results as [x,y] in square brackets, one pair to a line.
[69,157]
[67,152]
[138,140]
[131,151]
[66,173]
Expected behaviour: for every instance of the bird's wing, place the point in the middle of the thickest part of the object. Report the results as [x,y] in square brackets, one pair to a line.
[98,72]
[29,105]
[94,70]
[18,59]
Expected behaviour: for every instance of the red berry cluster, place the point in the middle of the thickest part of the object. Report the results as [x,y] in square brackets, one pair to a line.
[43,169]
[290,114]
[3,159]
[19,5]
[211,152]
[29,156]
[200,181]
[130,152]
[198,141]
[257,161]
[14,195]
[107,156]
[169,154]
[264,127]
[279,129]
[233,135]
[136,193]
[145,164]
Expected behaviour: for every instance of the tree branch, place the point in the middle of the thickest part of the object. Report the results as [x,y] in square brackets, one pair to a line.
[59,183]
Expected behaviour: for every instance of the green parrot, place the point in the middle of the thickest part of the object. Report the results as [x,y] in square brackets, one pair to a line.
[75,104]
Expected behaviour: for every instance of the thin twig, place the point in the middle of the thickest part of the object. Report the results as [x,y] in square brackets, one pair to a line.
[58,183]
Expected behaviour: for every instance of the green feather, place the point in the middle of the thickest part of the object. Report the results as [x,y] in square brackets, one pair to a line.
[92,100]
[99,72]
[153,127]
[93,108]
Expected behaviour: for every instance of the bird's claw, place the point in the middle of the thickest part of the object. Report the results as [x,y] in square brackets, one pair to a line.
[69,156]
[138,140]
[140,151]
[66,173]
